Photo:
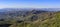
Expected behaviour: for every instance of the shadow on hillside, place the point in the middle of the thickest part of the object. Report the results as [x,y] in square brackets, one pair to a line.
[5,25]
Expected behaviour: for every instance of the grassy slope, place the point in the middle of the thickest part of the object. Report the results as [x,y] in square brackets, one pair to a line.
[53,21]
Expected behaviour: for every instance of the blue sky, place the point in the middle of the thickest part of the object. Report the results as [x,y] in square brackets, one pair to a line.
[29,3]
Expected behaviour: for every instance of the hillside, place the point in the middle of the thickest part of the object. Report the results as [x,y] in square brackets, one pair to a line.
[42,20]
[31,18]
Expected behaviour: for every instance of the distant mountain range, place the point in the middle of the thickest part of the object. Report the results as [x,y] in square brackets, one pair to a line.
[29,9]
[30,17]
[18,12]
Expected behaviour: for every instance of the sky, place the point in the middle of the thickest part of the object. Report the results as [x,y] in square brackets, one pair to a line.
[29,3]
